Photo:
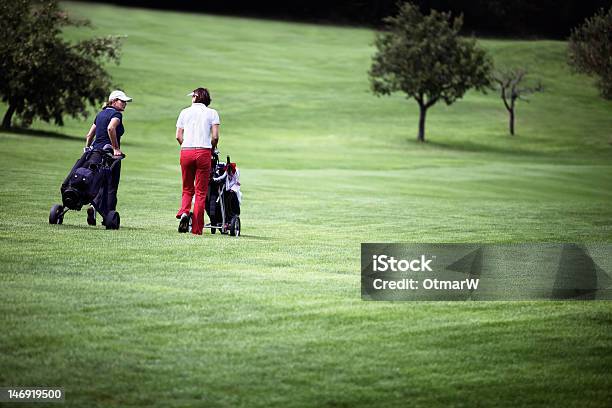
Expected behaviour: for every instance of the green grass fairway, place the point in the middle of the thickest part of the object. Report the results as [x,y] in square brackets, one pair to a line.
[145,317]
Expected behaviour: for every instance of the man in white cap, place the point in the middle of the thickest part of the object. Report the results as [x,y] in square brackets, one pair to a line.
[108,129]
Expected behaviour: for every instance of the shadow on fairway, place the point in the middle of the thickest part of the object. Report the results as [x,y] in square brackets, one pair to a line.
[56,135]
[44,134]
[96,228]
[255,237]
[480,148]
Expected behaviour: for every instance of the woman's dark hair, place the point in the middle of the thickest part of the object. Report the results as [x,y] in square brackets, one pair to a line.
[202,96]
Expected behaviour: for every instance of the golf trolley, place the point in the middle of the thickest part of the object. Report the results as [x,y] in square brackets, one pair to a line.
[87,183]
[223,198]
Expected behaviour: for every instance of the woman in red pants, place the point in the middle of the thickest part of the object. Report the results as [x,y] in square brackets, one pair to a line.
[197,131]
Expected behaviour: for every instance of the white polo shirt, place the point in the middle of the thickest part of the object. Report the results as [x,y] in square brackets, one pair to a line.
[197,121]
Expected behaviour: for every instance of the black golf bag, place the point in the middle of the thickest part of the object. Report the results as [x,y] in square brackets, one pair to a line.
[87,183]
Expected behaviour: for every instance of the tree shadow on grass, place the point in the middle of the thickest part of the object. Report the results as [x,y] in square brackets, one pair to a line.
[43,134]
[56,135]
[472,147]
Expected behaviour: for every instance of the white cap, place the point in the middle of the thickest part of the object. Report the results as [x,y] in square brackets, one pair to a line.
[119,95]
[190,93]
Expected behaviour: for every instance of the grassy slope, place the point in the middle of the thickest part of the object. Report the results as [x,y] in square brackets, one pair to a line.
[275,317]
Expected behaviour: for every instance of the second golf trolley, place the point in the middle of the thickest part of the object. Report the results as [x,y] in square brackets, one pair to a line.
[223,197]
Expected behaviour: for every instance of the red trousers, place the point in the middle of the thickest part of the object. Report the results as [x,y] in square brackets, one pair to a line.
[195,166]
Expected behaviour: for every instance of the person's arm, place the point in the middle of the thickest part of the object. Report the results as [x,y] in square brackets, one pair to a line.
[214,139]
[90,135]
[112,134]
[179,135]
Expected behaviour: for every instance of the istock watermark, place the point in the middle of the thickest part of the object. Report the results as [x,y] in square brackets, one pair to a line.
[534,271]
[383,263]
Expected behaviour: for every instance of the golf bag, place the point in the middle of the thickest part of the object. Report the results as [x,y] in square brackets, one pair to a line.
[83,182]
[224,197]
[87,183]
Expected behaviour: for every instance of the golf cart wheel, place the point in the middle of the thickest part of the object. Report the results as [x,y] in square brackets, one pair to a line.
[235,226]
[56,216]
[213,230]
[91,216]
[112,220]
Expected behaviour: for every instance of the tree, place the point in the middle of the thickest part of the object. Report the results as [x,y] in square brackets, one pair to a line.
[424,57]
[590,50]
[42,75]
[512,87]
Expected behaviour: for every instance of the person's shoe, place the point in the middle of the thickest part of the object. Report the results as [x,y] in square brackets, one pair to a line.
[91,216]
[184,223]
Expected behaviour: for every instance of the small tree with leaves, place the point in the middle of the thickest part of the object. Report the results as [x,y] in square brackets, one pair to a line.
[513,86]
[43,76]
[590,50]
[424,57]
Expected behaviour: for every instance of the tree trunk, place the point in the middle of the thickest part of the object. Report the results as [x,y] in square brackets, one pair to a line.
[512,122]
[422,113]
[8,116]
